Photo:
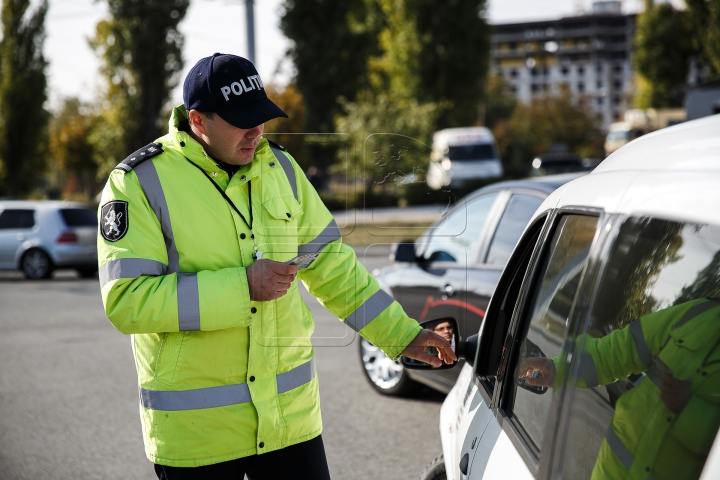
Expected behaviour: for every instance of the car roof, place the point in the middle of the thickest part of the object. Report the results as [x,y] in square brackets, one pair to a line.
[673,173]
[39,204]
[546,184]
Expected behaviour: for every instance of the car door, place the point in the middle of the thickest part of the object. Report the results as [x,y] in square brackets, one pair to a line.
[656,300]
[534,300]
[15,225]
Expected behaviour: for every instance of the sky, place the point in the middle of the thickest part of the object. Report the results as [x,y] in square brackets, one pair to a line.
[219,26]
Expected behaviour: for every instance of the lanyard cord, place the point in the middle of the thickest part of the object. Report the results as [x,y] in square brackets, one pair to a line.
[256,253]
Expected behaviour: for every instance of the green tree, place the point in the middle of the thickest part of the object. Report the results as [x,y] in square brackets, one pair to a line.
[663,48]
[705,17]
[555,119]
[500,101]
[23,119]
[140,49]
[70,149]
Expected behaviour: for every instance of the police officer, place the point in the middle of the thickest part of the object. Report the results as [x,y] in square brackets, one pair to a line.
[199,236]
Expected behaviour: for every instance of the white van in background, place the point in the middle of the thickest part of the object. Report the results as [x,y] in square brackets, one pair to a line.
[462,154]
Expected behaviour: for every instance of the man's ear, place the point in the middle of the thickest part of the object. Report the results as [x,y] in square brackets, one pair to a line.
[197,121]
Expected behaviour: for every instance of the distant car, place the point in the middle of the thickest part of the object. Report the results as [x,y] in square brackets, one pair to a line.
[452,270]
[556,163]
[38,237]
[461,155]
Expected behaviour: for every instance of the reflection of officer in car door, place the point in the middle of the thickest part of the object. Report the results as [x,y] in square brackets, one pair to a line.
[664,427]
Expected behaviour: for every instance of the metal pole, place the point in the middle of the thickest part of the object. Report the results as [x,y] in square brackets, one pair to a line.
[250,20]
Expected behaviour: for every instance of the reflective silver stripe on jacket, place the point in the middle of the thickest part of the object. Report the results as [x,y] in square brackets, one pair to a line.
[588,372]
[130,268]
[296,377]
[369,310]
[188,298]
[223,396]
[619,448]
[646,356]
[329,234]
[287,167]
[696,311]
[150,183]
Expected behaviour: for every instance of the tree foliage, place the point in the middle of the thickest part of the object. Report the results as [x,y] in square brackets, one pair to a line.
[663,47]
[140,49]
[331,42]
[70,149]
[705,18]
[553,119]
[23,83]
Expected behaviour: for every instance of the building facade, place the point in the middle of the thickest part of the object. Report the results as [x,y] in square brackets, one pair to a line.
[589,53]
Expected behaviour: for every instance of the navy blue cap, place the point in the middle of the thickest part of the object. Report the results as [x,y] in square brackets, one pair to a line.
[231,87]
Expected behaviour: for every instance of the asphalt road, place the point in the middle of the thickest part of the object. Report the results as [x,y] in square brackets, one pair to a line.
[69,404]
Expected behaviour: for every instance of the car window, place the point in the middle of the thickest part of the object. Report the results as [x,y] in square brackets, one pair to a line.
[517,214]
[455,239]
[79,217]
[646,398]
[16,218]
[550,309]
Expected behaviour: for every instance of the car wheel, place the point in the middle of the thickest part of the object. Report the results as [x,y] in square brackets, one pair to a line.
[386,376]
[435,470]
[36,265]
[87,272]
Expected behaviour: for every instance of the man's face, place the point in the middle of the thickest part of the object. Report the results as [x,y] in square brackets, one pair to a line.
[229,144]
[445,330]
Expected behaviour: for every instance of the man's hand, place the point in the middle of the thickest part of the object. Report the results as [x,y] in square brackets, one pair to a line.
[538,372]
[428,338]
[675,393]
[269,280]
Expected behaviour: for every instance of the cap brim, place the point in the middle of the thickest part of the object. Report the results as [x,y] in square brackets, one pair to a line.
[252,114]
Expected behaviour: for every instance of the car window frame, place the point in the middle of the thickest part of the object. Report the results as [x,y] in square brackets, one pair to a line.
[494,215]
[519,260]
[504,391]
[481,258]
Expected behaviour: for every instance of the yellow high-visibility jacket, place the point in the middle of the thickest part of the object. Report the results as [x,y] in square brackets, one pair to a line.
[645,439]
[223,377]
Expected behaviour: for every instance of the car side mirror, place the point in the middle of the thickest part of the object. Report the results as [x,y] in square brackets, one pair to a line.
[446,327]
[403,251]
[529,349]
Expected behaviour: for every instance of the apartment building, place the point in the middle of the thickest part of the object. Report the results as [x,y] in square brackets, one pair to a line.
[591,53]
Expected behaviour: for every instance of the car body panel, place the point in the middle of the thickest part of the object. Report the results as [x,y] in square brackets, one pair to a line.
[672,175]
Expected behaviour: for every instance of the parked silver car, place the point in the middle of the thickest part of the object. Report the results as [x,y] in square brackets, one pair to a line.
[38,237]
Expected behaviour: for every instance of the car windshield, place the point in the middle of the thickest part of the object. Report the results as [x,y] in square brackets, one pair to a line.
[79,217]
[484,151]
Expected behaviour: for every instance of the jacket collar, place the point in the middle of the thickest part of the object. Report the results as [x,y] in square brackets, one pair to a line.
[196,153]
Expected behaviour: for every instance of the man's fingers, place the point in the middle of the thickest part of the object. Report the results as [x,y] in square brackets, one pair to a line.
[283,268]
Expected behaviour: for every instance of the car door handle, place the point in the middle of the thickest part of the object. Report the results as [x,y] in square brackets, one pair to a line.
[20,236]
[447,292]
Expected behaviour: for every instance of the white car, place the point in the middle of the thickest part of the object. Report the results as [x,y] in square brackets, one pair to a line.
[573,378]
[38,237]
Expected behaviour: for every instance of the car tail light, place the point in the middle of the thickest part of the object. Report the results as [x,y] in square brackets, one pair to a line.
[67,237]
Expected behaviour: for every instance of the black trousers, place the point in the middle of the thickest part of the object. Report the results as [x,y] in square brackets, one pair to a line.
[304,461]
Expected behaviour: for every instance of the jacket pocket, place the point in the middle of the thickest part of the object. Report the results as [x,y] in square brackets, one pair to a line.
[278,227]
[167,357]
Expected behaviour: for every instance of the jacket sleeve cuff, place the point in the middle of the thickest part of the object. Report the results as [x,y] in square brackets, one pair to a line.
[392,331]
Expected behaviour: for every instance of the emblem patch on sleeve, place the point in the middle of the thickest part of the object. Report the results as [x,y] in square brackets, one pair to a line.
[114,222]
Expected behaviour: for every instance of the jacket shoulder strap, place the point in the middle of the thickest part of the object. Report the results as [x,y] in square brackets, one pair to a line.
[286,165]
[133,160]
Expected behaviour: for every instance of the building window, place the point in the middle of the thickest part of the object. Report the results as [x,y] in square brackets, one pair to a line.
[599,68]
[580,87]
[599,84]
[618,84]
[599,100]
[617,100]
[581,71]
[512,45]
[565,70]
[618,68]
[513,73]
[534,72]
[535,88]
